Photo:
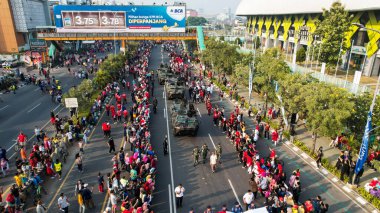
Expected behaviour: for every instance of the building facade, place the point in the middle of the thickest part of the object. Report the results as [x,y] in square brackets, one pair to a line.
[191,13]
[290,25]
[18,22]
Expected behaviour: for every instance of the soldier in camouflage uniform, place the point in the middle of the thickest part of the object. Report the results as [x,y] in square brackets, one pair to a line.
[219,153]
[204,152]
[196,155]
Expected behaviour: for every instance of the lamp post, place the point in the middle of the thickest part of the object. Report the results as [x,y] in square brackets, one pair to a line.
[363,153]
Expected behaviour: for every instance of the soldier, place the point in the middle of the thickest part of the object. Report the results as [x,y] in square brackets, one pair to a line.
[219,153]
[204,151]
[196,155]
[165,145]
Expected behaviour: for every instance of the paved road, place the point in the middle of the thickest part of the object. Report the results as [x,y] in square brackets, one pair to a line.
[203,188]
[230,182]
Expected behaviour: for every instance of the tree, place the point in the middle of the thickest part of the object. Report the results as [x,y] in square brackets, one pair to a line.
[336,22]
[241,74]
[301,54]
[327,109]
[196,21]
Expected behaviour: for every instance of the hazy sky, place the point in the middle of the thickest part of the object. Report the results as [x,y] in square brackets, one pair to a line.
[209,6]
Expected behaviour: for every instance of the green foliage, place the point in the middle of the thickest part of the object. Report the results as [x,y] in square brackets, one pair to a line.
[221,38]
[110,70]
[257,42]
[301,54]
[270,67]
[336,22]
[370,198]
[241,74]
[221,55]
[83,92]
[327,108]
[196,21]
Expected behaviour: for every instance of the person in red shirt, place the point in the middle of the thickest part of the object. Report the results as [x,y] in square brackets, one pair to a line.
[125,114]
[104,128]
[272,154]
[119,112]
[21,139]
[275,137]
[124,97]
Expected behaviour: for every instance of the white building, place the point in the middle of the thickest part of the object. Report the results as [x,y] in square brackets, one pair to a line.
[286,24]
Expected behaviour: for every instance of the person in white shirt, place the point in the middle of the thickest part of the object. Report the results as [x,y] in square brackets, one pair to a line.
[113,200]
[213,161]
[248,199]
[179,190]
[63,203]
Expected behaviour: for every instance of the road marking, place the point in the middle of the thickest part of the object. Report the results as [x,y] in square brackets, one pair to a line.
[335,179]
[57,107]
[375,211]
[361,200]
[36,89]
[287,142]
[4,107]
[337,187]
[163,94]
[233,190]
[170,152]
[345,188]
[104,202]
[72,166]
[295,148]
[170,199]
[34,107]
[314,163]
[325,172]
[200,115]
[304,155]
[164,113]
[212,141]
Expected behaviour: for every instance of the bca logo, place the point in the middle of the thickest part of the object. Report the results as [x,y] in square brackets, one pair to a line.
[176,13]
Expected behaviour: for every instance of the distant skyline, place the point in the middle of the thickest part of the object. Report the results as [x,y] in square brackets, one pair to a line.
[210,7]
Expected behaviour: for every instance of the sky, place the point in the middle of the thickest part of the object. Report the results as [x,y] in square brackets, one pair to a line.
[210,7]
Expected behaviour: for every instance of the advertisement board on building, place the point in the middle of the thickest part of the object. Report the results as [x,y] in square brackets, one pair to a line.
[131,18]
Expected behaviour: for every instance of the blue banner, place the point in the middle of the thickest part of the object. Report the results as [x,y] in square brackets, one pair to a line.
[113,18]
[364,147]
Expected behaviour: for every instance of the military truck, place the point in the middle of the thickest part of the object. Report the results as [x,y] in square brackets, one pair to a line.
[174,91]
[185,125]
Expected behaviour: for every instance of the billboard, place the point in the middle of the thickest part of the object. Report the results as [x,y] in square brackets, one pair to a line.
[131,18]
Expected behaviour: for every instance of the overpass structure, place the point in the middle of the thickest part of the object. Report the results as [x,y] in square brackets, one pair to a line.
[53,36]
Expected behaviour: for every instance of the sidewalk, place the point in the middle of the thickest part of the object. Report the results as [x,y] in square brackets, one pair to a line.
[305,136]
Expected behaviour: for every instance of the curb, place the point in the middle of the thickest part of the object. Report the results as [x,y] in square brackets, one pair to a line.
[341,186]
[345,188]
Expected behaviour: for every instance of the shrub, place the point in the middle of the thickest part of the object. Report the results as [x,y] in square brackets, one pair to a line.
[301,54]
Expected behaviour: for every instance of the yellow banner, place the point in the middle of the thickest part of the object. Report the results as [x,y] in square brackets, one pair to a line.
[276,26]
[253,24]
[268,23]
[260,23]
[352,30]
[298,22]
[373,36]
[286,23]
[312,27]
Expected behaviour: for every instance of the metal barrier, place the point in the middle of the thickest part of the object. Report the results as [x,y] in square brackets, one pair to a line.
[353,88]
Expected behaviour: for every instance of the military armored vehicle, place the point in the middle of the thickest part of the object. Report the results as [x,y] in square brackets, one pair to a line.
[163,75]
[182,107]
[174,91]
[185,125]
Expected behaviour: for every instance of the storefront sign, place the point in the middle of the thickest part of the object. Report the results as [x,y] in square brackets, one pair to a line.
[360,50]
[37,43]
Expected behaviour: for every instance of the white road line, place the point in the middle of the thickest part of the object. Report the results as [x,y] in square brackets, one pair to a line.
[375,211]
[163,94]
[316,170]
[36,89]
[314,163]
[295,148]
[335,179]
[233,190]
[4,107]
[170,199]
[304,155]
[361,200]
[164,113]
[287,142]
[200,115]
[325,172]
[212,141]
[345,188]
[57,107]
[34,107]
[170,153]
[12,145]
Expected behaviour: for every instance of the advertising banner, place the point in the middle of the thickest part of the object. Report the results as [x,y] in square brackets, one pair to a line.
[131,18]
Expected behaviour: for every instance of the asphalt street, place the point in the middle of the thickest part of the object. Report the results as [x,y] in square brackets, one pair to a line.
[230,182]
[203,187]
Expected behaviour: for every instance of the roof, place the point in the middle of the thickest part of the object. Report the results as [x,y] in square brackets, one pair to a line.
[281,7]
